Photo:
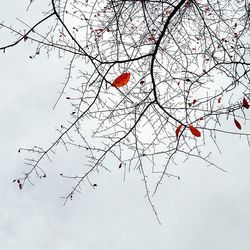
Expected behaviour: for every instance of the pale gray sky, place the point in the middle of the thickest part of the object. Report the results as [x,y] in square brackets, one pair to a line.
[207,209]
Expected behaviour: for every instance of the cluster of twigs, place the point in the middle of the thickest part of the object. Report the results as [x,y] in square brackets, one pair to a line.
[189,67]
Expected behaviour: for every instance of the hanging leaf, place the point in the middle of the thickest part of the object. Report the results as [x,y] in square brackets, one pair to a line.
[245,103]
[120,165]
[194,131]
[151,38]
[219,100]
[237,124]
[121,80]
[194,101]
[177,131]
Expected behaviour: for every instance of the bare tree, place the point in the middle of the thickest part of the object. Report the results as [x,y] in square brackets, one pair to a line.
[155,79]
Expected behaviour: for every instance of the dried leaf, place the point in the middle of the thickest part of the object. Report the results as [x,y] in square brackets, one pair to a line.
[177,131]
[219,100]
[245,103]
[121,80]
[151,38]
[120,165]
[194,131]
[237,124]
[194,101]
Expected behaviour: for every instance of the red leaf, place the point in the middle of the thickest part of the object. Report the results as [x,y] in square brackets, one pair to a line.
[219,100]
[245,103]
[177,131]
[194,131]
[121,80]
[237,124]
[151,38]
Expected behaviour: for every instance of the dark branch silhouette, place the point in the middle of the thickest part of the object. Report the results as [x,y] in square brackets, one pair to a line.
[188,63]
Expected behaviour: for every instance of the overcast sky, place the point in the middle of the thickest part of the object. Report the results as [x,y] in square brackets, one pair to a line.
[207,209]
